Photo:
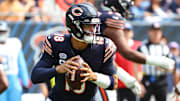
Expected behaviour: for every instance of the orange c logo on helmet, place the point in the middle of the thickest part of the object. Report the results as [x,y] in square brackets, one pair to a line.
[77,11]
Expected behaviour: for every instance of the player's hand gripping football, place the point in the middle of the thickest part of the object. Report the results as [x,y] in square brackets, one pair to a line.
[88,74]
[68,66]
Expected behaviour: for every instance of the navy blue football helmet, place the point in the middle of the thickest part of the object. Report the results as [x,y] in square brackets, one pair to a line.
[121,6]
[78,15]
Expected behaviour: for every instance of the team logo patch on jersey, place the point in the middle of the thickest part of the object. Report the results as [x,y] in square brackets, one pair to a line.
[62,55]
[77,11]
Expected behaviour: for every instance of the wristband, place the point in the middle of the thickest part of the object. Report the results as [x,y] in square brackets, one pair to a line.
[102,80]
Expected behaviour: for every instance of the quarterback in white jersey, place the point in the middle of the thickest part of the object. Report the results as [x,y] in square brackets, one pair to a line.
[13,63]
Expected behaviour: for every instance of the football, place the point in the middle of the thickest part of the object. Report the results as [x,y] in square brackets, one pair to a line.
[74,80]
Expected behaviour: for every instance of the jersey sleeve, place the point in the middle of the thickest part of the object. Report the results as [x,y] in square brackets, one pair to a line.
[110,49]
[108,66]
[47,47]
[43,70]
[111,19]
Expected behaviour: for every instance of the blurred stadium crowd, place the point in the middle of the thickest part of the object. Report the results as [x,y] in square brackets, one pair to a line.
[47,10]
[52,13]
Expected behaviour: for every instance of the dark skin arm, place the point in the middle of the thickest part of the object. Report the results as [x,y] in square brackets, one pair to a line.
[3,81]
[117,36]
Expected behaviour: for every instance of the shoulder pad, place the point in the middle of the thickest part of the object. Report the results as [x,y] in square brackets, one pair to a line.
[47,45]
[52,40]
[114,20]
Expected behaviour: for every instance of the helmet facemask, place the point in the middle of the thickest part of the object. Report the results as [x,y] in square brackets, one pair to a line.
[84,35]
[89,36]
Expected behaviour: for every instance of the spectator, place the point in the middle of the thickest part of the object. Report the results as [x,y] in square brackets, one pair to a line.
[164,40]
[32,11]
[154,79]
[175,49]
[123,92]
[11,10]
[175,7]
[137,9]
[54,10]
[14,65]
[155,12]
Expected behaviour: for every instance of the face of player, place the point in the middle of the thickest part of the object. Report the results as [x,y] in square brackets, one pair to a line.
[155,36]
[89,32]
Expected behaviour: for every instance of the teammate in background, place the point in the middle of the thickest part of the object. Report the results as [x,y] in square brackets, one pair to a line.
[112,26]
[125,75]
[123,92]
[62,49]
[13,63]
[3,78]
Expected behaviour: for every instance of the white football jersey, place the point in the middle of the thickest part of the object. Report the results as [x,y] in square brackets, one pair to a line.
[9,52]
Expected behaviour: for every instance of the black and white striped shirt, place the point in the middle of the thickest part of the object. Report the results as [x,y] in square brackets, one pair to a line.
[154,50]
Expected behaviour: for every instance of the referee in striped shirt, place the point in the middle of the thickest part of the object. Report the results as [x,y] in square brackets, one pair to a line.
[154,79]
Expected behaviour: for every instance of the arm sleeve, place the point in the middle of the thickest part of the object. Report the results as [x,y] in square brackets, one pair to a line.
[43,71]
[23,72]
[110,50]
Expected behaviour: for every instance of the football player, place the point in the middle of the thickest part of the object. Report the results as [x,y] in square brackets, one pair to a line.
[13,64]
[62,49]
[3,79]
[112,27]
